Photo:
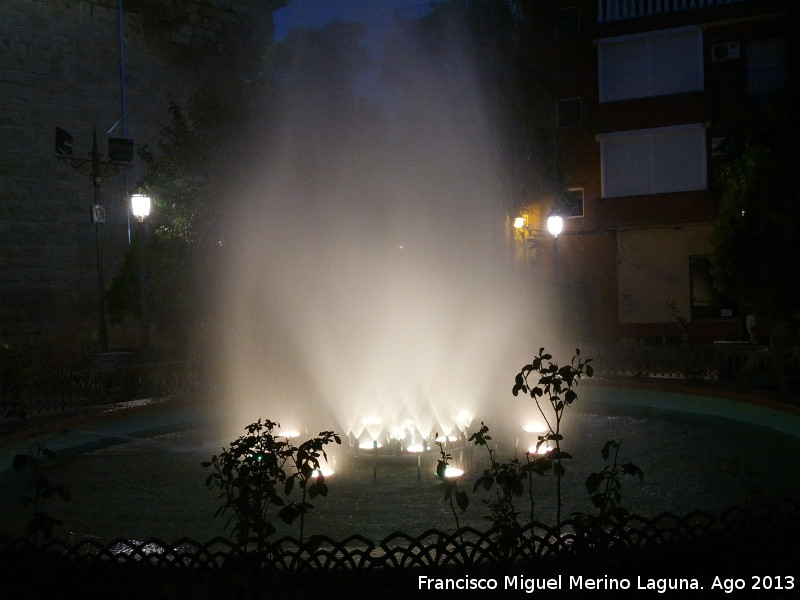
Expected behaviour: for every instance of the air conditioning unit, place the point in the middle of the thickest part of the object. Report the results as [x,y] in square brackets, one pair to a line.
[724,51]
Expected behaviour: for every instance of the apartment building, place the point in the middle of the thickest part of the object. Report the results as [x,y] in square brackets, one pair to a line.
[636,96]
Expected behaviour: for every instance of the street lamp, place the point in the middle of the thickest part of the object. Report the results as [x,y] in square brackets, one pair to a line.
[140,206]
[555,225]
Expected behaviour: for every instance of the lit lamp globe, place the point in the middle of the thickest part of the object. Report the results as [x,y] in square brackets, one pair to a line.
[555,224]
[140,205]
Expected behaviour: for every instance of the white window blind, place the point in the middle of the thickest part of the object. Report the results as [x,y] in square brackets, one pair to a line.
[657,63]
[654,161]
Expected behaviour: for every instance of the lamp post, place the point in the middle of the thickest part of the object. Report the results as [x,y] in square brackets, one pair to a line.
[140,206]
[555,225]
[98,217]
[120,153]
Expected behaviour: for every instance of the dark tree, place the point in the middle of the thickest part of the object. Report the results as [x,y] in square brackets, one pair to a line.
[212,147]
[756,252]
[186,180]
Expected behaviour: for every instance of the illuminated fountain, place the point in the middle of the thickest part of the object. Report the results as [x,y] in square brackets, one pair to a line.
[367,284]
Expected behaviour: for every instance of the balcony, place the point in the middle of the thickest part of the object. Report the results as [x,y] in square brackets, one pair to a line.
[620,10]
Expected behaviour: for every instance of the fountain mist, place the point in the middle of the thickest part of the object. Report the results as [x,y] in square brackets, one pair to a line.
[368,286]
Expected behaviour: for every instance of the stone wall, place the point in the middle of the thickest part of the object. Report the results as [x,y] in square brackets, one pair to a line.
[104,66]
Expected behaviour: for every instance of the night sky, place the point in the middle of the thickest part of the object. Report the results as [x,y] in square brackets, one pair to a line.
[315,13]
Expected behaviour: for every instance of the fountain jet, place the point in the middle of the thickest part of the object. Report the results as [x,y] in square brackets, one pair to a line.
[366,271]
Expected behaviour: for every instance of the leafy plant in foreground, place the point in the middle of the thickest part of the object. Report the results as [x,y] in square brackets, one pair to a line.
[596,532]
[307,475]
[604,486]
[258,470]
[450,483]
[510,478]
[39,522]
[544,380]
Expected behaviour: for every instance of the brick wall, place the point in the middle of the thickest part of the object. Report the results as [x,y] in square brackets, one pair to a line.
[60,66]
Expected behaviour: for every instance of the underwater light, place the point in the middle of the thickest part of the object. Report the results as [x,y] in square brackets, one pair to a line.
[534,427]
[453,472]
[543,449]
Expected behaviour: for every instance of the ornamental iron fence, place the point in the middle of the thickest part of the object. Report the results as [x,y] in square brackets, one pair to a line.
[760,540]
[27,393]
[723,361]
[118,376]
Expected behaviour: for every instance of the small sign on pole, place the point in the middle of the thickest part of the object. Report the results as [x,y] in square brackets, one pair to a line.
[98,213]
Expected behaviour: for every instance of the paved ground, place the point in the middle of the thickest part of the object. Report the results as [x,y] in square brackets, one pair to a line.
[13,428]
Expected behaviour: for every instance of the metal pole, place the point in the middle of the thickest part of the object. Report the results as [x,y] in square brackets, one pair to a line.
[96,178]
[559,297]
[123,107]
[143,285]
[556,274]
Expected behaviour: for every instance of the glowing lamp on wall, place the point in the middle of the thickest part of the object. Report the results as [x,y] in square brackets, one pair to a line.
[555,225]
[140,205]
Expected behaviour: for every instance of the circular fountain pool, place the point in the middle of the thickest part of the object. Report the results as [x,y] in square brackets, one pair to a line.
[136,474]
